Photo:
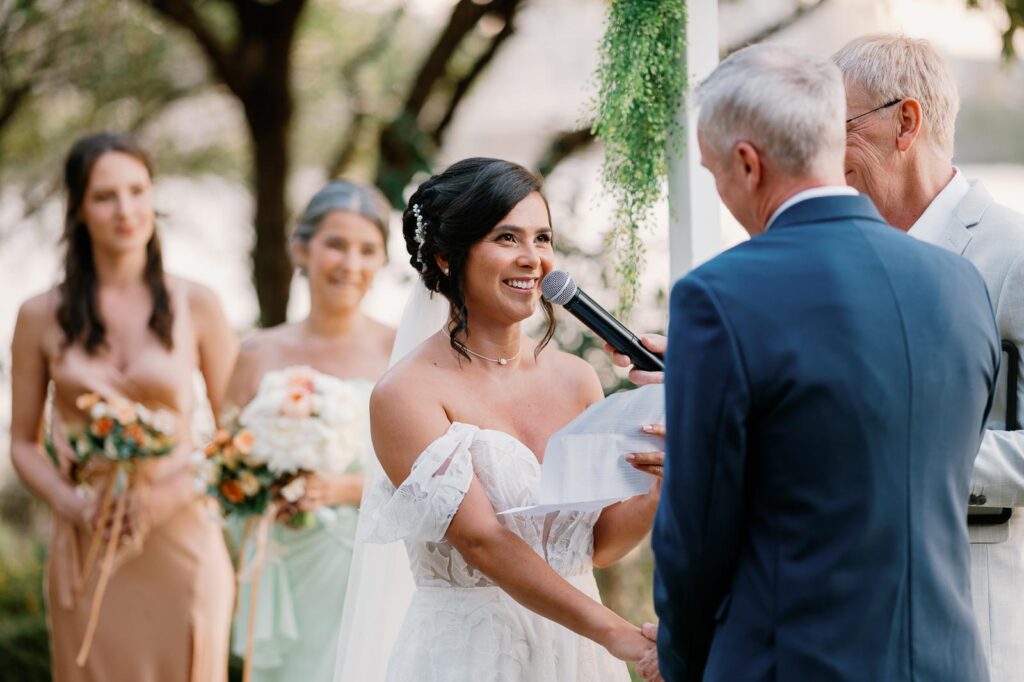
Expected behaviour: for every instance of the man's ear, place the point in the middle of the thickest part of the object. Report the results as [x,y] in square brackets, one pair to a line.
[910,121]
[748,159]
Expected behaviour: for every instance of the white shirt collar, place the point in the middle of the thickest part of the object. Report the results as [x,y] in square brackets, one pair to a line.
[932,223]
[813,193]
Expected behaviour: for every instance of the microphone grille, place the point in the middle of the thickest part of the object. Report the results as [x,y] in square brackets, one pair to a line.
[558,287]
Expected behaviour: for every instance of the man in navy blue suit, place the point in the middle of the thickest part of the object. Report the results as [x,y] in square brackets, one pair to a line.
[827,386]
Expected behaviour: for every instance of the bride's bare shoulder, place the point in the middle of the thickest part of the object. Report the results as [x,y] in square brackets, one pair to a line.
[407,412]
[574,373]
[417,375]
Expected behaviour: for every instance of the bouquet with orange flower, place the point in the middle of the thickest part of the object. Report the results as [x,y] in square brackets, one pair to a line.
[299,422]
[121,432]
[240,485]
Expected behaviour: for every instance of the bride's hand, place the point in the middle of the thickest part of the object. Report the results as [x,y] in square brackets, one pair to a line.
[629,644]
[647,668]
[651,462]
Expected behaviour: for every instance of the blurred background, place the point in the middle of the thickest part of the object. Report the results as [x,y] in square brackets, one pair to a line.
[248,107]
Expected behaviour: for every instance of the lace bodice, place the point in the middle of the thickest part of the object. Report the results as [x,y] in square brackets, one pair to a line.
[420,510]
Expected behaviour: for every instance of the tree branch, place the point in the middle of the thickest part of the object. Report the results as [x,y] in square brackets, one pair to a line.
[405,146]
[463,19]
[349,73]
[767,32]
[183,13]
[564,145]
[466,82]
[12,101]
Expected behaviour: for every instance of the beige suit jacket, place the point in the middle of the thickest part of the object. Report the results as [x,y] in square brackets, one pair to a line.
[992,238]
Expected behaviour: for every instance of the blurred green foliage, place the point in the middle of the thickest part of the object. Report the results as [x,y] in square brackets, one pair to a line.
[113,64]
[641,86]
[1014,10]
[24,642]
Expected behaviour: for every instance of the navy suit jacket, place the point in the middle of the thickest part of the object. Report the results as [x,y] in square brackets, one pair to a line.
[827,386]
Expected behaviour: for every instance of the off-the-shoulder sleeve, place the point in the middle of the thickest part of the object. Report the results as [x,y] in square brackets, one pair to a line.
[422,507]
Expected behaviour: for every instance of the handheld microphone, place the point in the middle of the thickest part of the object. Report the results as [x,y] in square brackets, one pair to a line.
[558,287]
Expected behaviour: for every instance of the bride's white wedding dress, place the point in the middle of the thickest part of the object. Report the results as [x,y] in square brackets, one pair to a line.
[460,626]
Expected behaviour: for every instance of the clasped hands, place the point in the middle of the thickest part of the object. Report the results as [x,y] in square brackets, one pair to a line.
[647,667]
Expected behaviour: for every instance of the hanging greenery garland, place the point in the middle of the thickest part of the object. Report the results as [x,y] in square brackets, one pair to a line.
[641,84]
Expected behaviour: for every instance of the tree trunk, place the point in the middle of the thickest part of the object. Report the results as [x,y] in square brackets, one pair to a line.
[271,266]
[256,67]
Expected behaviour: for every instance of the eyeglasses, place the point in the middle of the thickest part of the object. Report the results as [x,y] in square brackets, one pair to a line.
[887,104]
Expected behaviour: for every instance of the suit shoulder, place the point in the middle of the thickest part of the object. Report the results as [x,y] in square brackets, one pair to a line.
[1001,228]
[732,268]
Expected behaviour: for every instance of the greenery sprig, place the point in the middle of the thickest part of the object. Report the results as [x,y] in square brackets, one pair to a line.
[641,84]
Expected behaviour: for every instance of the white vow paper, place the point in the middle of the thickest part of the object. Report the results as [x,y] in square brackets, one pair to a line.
[584,464]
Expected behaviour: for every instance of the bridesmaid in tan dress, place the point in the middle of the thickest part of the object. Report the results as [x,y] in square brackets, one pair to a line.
[119,327]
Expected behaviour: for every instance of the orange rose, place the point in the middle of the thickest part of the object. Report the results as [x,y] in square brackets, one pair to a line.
[85,401]
[297,405]
[243,441]
[124,411]
[102,427]
[211,449]
[232,491]
[135,432]
[222,437]
[229,455]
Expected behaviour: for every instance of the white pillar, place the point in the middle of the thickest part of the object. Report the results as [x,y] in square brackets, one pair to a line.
[694,229]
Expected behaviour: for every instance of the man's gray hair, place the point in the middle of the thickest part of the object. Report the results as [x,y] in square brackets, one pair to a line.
[890,66]
[789,105]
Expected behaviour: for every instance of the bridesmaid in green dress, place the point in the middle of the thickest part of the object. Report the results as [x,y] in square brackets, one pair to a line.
[339,244]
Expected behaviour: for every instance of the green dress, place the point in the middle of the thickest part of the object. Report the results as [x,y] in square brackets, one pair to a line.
[302,590]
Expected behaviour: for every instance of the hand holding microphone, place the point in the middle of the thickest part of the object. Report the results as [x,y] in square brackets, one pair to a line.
[656,343]
[558,287]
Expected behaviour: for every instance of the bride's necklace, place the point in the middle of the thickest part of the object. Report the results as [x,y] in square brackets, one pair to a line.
[500,361]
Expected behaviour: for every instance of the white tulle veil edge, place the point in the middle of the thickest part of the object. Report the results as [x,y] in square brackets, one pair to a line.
[380,581]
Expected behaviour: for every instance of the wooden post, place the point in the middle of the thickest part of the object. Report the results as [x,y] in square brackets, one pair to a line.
[694,208]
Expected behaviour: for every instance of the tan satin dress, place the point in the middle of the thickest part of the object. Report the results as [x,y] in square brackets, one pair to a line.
[166,614]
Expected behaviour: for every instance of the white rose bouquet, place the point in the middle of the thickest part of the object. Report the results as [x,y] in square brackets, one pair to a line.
[300,421]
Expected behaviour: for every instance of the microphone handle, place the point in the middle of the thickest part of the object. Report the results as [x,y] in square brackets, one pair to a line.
[614,332]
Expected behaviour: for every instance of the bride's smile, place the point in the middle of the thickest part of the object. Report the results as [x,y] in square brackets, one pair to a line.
[504,269]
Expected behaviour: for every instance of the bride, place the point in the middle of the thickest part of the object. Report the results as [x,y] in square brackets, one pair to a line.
[459,426]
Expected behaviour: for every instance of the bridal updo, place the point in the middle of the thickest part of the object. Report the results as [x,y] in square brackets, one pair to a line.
[451,212]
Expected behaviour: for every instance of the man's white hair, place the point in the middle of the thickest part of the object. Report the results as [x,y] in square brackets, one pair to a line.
[787,104]
[890,66]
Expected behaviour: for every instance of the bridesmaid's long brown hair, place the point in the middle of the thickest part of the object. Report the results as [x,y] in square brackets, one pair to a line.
[78,312]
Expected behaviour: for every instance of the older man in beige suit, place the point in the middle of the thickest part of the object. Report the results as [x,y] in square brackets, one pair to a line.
[901,104]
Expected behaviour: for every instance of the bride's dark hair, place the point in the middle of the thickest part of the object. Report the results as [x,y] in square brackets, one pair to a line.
[458,207]
[78,311]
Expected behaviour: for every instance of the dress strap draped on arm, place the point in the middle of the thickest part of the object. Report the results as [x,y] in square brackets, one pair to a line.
[423,506]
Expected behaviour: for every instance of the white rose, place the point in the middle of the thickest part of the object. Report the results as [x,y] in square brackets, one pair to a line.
[163,422]
[248,482]
[294,491]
